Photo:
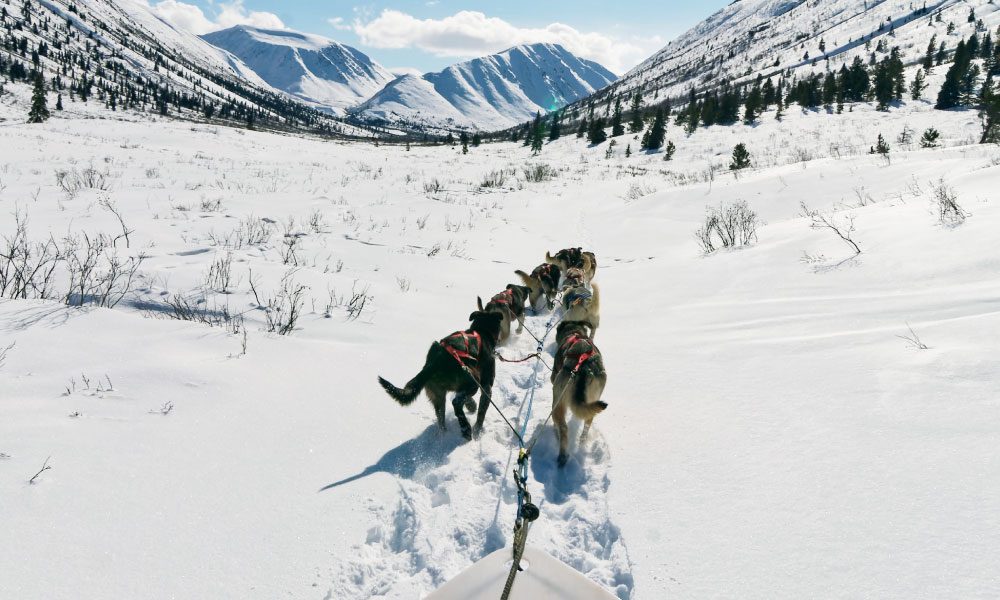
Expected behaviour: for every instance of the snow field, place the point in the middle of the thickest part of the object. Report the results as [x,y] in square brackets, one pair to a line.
[768,435]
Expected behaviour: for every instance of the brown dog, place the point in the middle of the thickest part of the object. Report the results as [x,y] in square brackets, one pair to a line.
[544,280]
[578,380]
[510,305]
[574,257]
[463,362]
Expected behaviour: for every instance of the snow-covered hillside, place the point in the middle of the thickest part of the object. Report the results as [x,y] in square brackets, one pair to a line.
[769,435]
[751,38]
[119,56]
[489,93]
[318,70]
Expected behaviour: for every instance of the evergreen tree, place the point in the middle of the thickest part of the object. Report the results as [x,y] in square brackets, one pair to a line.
[59,104]
[595,133]
[829,90]
[753,105]
[741,158]
[636,125]
[463,139]
[39,112]
[668,152]
[967,90]
[951,89]
[628,150]
[991,120]
[883,85]
[556,129]
[465,146]
[928,62]
[929,138]
[940,56]
[880,147]
[582,129]
[476,140]
[653,140]
[530,133]
[617,128]
[537,136]
[918,85]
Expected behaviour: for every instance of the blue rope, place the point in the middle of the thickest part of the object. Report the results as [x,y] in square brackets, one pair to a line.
[523,464]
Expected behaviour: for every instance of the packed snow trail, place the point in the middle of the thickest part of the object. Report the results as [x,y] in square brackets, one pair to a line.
[457,501]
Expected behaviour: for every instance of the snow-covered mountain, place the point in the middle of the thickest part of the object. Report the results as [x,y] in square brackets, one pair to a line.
[751,38]
[316,69]
[491,92]
[117,54]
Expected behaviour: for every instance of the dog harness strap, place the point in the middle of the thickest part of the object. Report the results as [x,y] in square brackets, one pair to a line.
[504,297]
[469,351]
[581,357]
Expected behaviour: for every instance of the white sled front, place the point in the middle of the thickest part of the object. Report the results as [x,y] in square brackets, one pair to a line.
[542,578]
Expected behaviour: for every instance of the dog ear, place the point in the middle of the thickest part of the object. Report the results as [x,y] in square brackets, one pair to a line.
[479,304]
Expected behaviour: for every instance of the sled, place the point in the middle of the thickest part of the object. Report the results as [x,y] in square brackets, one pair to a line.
[542,578]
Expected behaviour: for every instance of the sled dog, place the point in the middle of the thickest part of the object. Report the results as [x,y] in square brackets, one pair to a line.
[578,380]
[510,305]
[543,281]
[461,362]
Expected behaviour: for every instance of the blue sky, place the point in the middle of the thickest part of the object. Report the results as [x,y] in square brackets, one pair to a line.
[427,35]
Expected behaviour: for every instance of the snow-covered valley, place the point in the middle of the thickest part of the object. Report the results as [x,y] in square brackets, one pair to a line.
[770,434]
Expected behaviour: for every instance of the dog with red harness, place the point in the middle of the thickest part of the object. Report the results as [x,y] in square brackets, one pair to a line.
[543,281]
[510,305]
[463,362]
[578,380]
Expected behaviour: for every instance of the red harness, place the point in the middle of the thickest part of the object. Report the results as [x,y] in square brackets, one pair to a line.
[583,357]
[504,297]
[466,337]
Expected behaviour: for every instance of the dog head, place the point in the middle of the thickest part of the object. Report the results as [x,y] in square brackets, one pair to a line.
[486,323]
[568,328]
[520,293]
[575,276]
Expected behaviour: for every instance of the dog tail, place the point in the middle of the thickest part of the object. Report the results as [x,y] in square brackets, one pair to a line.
[595,297]
[586,410]
[408,394]
[525,278]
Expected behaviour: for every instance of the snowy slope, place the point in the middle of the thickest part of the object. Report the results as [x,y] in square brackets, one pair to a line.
[768,436]
[489,93]
[315,69]
[751,38]
[141,61]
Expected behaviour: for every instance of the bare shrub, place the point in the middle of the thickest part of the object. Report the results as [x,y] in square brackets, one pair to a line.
[27,268]
[251,231]
[72,181]
[317,222]
[538,173]
[494,179]
[636,191]
[912,339]
[950,214]
[97,273]
[220,274]
[842,228]
[183,308]
[728,226]
[433,186]
[404,283]
[282,311]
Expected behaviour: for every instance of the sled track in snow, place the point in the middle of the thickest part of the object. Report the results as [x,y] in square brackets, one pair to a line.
[457,500]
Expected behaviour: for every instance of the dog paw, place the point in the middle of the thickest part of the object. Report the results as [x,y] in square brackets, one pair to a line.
[477,431]
[467,433]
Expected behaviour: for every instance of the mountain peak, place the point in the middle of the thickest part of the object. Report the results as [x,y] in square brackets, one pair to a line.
[490,92]
[313,68]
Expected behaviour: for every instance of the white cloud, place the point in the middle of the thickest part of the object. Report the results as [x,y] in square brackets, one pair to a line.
[339,23]
[472,33]
[228,14]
